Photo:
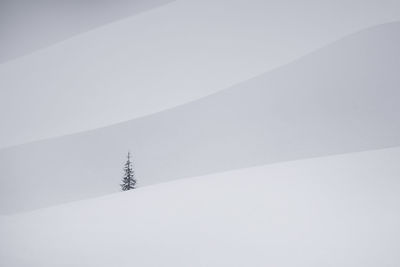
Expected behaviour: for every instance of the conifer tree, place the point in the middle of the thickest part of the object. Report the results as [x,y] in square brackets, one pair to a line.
[128,180]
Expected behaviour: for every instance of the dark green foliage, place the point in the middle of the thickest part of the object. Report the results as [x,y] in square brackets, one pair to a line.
[128,181]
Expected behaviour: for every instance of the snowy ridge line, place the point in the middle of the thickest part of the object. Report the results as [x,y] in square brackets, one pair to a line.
[278,68]
[189,180]
[343,98]
[7,60]
[340,211]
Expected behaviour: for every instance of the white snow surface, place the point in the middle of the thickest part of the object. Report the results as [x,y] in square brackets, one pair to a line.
[27,26]
[155,60]
[339,210]
[342,98]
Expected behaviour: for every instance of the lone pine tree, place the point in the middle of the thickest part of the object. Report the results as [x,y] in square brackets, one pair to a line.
[128,181]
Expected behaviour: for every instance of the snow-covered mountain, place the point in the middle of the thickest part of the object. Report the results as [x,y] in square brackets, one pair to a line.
[334,211]
[342,98]
[27,26]
[155,60]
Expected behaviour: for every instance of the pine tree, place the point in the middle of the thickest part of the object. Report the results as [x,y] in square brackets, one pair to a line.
[128,181]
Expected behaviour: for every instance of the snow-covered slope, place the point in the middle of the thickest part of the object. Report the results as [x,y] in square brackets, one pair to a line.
[167,56]
[335,211]
[342,98]
[27,26]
